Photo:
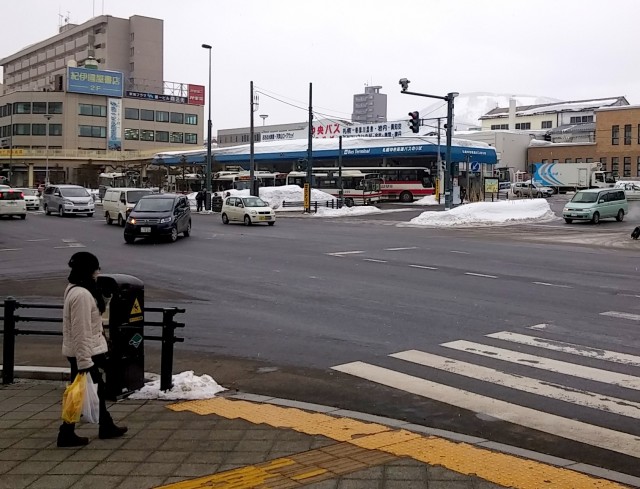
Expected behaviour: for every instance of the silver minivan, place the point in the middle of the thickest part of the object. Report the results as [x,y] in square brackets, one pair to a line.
[67,199]
[595,204]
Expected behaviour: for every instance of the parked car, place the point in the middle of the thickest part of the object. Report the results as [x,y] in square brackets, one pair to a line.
[531,189]
[631,189]
[249,210]
[67,199]
[118,203]
[12,203]
[159,215]
[31,198]
[595,204]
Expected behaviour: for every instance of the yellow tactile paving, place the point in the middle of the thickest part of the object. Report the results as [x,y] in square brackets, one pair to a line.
[498,468]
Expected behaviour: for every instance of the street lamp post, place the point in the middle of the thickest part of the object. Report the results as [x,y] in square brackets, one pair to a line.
[46,171]
[448,183]
[207,197]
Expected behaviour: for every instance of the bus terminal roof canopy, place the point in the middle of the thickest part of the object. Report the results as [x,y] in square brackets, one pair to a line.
[294,150]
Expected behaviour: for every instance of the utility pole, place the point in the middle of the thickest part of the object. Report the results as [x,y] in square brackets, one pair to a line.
[340,188]
[308,185]
[252,162]
[207,195]
[439,163]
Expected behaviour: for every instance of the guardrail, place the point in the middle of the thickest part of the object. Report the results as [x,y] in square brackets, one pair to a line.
[10,332]
[331,204]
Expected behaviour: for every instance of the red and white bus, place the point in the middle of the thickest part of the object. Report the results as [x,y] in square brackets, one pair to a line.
[401,183]
[241,180]
[358,188]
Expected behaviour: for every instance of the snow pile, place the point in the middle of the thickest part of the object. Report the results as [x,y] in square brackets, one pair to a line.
[186,386]
[488,213]
[426,200]
[348,211]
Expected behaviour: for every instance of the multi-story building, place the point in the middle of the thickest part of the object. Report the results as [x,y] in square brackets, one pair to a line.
[92,98]
[616,144]
[546,116]
[370,106]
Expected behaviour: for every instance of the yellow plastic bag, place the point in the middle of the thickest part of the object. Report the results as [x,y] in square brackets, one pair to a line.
[72,399]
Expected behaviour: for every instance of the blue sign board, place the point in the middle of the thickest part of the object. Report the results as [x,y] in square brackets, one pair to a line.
[95,82]
[475,166]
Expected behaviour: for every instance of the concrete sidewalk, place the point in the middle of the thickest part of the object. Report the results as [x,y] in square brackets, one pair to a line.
[247,441]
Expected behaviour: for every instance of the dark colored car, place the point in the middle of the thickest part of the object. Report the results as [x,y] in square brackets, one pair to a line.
[159,215]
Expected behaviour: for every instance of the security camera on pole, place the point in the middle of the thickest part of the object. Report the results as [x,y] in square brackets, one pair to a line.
[448,183]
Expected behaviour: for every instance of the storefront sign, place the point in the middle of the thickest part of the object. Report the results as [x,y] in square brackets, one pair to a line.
[196,94]
[114,124]
[156,96]
[94,82]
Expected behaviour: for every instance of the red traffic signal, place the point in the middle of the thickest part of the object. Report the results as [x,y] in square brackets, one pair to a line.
[414,122]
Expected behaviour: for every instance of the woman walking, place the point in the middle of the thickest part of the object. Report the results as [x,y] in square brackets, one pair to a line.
[84,343]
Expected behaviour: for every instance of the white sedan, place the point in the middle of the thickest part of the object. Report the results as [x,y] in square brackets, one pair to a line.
[31,198]
[249,210]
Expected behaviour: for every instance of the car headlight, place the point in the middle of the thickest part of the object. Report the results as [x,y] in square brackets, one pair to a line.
[132,220]
[166,219]
[68,202]
[253,213]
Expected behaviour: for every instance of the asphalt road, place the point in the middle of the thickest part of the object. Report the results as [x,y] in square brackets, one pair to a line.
[288,305]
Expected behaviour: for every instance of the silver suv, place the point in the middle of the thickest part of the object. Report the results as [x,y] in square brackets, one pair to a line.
[67,199]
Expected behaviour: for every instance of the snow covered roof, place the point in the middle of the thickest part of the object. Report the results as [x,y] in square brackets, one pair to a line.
[295,149]
[570,106]
[574,128]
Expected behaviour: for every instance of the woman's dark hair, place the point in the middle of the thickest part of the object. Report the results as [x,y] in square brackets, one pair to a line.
[83,264]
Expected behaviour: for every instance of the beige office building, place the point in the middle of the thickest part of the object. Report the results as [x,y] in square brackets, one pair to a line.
[92,98]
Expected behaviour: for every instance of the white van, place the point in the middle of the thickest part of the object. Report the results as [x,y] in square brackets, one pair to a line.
[118,202]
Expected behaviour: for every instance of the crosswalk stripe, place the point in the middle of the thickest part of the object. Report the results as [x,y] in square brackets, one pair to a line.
[571,348]
[534,386]
[616,441]
[566,368]
[621,315]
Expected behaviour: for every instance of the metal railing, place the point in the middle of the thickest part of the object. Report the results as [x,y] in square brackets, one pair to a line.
[10,332]
[331,204]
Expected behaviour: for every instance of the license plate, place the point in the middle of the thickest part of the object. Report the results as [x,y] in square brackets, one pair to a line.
[262,218]
[573,215]
[145,229]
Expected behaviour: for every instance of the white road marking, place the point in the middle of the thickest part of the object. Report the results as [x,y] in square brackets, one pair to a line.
[423,266]
[460,252]
[539,326]
[480,275]
[10,249]
[401,249]
[566,368]
[39,239]
[374,260]
[621,315]
[553,285]
[534,386]
[341,253]
[549,423]
[571,348]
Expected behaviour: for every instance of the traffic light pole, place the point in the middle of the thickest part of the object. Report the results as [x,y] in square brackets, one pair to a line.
[448,183]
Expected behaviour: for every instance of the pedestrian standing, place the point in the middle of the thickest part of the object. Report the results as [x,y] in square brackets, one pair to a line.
[463,194]
[84,343]
[199,200]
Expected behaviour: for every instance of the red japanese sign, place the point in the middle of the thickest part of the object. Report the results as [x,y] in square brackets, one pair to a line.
[196,94]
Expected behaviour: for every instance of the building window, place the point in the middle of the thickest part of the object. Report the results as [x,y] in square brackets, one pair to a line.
[191,119]
[555,161]
[176,137]
[523,125]
[627,134]
[133,114]
[131,134]
[615,135]
[55,129]
[547,124]
[92,132]
[131,51]
[92,110]
[627,166]
[190,138]
[603,163]
[132,67]
[638,167]
[38,129]
[162,136]
[177,118]
[22,107]
[146,135]
[162,116]
[578,160]
[22,129]
[39,108]
[614,165]
[567,160]
[498,127]
[55,108]
[589,160]
[581,119]
[146,115]
[545,161]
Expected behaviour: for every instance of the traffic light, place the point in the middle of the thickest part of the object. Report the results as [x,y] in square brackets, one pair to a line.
[414,122]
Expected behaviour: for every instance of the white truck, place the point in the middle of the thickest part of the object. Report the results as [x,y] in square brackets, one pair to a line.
[563,177]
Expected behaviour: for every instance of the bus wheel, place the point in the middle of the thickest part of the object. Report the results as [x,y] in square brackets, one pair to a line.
[406,197]
[348,202]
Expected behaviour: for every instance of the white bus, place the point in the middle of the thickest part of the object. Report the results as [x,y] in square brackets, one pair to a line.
[117,179]
[241,180]
[401,183]
[358,187]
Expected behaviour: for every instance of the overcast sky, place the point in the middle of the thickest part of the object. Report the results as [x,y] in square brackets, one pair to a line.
[565,49]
